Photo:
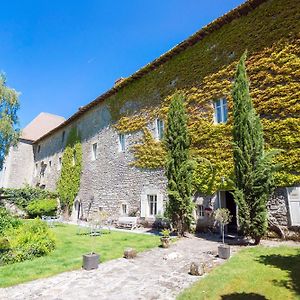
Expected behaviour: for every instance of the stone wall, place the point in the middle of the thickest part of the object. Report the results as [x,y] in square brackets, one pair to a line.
[108,181]
[18,167]
[278,207]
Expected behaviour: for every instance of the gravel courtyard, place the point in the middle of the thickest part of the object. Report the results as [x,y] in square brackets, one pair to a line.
[155,274]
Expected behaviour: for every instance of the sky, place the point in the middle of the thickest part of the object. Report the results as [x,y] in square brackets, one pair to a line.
[62,54]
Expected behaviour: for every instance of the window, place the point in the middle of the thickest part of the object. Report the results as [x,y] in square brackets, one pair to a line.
[59,163]
[39,148]
[122,142]
[63,137]
[152,204]
[221,111]
[124,209]
[159,129]
[43,169]
[200,211]
[35,169]
[94,151]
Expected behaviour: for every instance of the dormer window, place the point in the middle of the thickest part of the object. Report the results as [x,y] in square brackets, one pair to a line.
[221,111]
[159,126]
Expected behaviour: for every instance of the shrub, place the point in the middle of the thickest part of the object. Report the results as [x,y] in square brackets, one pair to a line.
[31,239]
[7,221]
[4,245]
[42,207]
[22,197]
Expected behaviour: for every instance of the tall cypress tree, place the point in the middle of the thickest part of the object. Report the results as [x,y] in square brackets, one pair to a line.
[253,167]
[178,167]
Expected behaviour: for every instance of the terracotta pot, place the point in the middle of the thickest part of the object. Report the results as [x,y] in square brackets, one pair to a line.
[90,261]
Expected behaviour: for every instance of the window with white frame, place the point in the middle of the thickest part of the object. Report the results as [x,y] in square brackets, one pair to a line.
[159,124]
[124,209]
[94,151]
[201,211]
[122,142]
[221,110]
[152,205]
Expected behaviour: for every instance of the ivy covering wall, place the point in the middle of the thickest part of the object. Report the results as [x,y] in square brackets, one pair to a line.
[204,73]
[69,181]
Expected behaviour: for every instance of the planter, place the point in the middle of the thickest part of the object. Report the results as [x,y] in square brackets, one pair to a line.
[165,242]
[90,261]
[224,251]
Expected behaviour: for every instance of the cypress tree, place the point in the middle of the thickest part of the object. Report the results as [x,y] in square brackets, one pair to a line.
[253,167]
[178,167]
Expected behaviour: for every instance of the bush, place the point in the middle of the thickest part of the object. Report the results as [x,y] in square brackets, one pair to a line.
[7,221]
[42,207]
[4,245]
[22,197]
[31,239]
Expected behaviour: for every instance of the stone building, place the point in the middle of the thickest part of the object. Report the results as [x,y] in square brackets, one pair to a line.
[121,130]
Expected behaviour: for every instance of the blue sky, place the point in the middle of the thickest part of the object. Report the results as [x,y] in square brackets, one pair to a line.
[62,54]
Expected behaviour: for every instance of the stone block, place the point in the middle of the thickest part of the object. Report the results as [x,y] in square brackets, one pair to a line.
[130,253]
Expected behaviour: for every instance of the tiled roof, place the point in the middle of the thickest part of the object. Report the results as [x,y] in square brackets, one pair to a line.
[40,126]
[239,11]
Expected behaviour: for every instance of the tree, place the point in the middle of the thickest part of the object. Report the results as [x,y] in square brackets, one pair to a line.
[69,182]
[9,105]
[178,167]
[253,167]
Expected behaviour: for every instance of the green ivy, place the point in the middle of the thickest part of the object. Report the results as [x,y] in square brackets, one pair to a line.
[69,181]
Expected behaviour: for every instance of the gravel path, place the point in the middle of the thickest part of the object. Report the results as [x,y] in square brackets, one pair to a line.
[155,274]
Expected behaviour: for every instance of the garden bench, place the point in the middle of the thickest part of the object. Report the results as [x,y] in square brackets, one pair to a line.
[51,220]
[127,222]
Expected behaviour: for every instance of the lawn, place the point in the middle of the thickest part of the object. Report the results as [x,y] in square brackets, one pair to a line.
[69,250]
[253,273]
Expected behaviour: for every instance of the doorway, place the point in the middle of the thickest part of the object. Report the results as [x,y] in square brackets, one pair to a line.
[231,206]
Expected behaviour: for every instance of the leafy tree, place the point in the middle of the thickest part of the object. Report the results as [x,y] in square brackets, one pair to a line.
[69,182]
[178,167]
[9,105]
[252,165]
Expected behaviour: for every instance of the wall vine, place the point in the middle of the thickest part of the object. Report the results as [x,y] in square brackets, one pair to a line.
[69,181]
[274,73]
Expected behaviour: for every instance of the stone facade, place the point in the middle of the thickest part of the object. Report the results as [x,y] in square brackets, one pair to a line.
[109,181]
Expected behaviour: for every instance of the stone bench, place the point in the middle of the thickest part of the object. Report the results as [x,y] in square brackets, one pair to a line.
[127,222]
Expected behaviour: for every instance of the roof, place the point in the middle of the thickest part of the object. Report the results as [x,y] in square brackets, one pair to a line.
[236,13]
[40,126]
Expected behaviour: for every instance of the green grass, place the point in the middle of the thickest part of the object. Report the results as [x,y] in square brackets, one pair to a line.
[253,273]
[69,250]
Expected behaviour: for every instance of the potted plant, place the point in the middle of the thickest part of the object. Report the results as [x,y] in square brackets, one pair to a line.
[165,239]
[92,259]
[223,217]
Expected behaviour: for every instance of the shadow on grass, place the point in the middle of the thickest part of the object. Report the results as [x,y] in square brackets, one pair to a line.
[291,264]
[243,296]
[230,240]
